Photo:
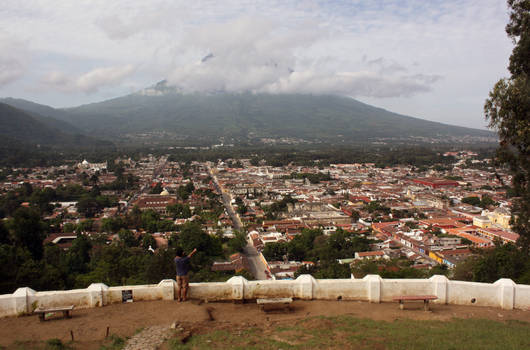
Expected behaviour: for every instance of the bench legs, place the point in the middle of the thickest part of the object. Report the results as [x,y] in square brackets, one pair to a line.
[276,308]
[66,314]
[425,305]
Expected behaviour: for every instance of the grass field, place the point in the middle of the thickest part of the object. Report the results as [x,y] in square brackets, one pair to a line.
[345,332]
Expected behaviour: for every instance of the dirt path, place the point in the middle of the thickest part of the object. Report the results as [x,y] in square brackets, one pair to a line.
[89,325]
[149,339]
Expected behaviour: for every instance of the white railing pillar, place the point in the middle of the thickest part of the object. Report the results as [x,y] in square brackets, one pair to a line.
[98,294]
[238,284]
[506,292]
[440,283]
[168,289]
[23,305]
[373,287]
[306,285]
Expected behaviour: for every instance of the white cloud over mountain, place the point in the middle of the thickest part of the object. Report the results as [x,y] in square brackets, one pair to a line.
[88,82]
[261,56]
[13,58]
[411,56]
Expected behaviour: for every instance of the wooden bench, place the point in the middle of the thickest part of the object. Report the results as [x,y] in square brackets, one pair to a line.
[66,310]
[275,304]
[425,298]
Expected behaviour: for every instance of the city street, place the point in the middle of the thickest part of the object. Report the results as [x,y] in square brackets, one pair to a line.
[256,265]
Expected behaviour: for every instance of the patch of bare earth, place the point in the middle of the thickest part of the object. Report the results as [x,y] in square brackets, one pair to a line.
[89,326]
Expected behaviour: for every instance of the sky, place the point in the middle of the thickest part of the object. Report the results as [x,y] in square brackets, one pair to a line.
[431,59]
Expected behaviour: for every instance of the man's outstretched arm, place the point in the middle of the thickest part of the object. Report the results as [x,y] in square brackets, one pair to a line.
[192,252]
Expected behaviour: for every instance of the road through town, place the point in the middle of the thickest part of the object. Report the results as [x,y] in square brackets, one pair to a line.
[256,265]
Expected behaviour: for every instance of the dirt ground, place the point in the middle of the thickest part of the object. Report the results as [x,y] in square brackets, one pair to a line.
[89,326]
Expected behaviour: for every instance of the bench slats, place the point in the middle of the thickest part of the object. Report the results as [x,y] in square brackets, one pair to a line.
[54,309]
[416,297]
[274,301]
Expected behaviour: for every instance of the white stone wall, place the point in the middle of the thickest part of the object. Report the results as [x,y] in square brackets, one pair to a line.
[502,294]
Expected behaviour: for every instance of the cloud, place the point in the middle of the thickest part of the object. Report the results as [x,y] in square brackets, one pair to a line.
[13,58]
[258,55]
[363,83]
[242,55]
[89,82]
[116,28]
[267,45]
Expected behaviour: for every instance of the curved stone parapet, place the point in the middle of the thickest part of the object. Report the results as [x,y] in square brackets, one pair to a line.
[503,294]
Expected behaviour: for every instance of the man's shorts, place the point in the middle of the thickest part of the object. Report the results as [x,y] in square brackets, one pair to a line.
[183,281]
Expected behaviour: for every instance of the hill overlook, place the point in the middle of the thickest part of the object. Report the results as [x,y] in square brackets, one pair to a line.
[347,324]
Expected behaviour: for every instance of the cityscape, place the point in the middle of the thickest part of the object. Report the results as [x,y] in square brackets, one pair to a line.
[417,218]
[264,174]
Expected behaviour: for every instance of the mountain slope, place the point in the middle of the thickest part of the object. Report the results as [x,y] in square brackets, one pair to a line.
[21,128]
[256,115]
[44,114]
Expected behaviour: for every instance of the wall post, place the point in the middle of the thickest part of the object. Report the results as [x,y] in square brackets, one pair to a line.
[22,300]
[373,287]
[506,292]
[98,294]
[168,289]
[305,286]
[238,287]
[440,284]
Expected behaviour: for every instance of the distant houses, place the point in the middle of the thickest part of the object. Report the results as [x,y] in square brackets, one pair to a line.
[156,202]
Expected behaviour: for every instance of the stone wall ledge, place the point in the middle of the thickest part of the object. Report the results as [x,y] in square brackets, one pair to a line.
[504,293]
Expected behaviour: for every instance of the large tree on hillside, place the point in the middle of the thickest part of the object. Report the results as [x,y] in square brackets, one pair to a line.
[508,111]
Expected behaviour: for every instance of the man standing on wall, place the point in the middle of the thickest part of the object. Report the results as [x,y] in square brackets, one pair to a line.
[183,267]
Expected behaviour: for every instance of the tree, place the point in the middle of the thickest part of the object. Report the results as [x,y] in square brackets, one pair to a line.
[237,243]
[85,225]
[208,248]
[4,234]
[150,219]
[88,206]
[184,192]
[355,215]
[28,231]
[242,209]
[180,211]
[112,225]
[134,218]
[94,179]
[78,255]
[11,259]
[275,251]
[128,238]
[473,200]
[486,201]
[508,112]
[505,261]
[157,189]
[148,241]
